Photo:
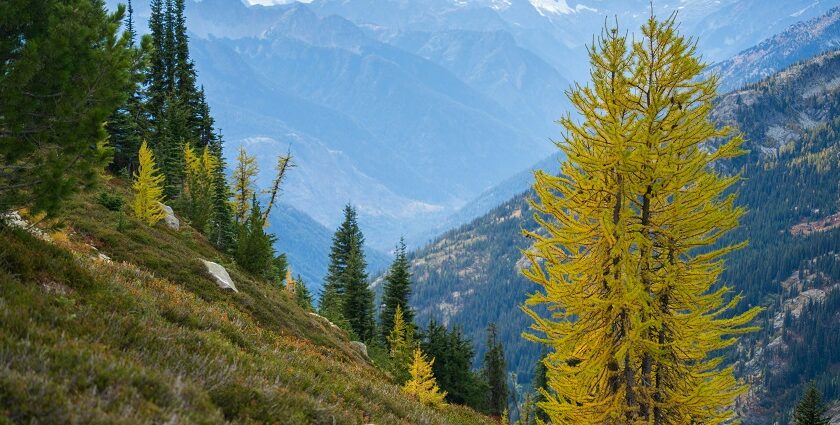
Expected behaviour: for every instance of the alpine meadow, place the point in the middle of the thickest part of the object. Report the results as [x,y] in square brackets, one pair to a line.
[517,212]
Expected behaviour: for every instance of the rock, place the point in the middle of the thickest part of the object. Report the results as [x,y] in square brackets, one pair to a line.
[171,221]
[220,274]
[360,347]
[324,319]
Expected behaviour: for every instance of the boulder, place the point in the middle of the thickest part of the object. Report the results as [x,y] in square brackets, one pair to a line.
[323,318]
[360,347]
[171,220]
[220,274]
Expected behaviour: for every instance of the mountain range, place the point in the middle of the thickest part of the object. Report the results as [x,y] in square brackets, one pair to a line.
[416,111]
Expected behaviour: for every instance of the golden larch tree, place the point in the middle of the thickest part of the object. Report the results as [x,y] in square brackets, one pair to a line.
[401,345]
[422,383]
[243,184]
[199,186]
[148,188]
[627,259]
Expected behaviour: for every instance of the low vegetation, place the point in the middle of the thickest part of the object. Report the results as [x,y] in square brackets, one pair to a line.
[107,325]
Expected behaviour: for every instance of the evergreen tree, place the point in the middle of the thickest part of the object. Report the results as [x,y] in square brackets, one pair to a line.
[243,184]
[128,125]
[540,388]
[495,372]
[223,228]
[453,367]
[64,70]
[635,319]
[158,85]
[422,383]
[396,291]
[810,410]
[255,248]
[148,191]
[302,295]
[331,301]
[358,297]
[184,71]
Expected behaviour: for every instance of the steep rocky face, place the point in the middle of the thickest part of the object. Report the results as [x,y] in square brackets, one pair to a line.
[799,42]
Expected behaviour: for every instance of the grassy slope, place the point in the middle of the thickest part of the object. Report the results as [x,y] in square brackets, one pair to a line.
[150,338]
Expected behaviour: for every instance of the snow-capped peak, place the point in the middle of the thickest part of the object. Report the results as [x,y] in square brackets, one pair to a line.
[558,6]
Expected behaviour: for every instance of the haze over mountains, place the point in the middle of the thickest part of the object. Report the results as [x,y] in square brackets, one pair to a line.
[412,110]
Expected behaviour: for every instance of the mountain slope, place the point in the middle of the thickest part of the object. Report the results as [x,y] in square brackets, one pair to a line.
[117,322]
[470,275]
[801,41]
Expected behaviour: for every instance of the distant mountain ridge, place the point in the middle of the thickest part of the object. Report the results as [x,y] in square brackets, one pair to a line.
[801,41]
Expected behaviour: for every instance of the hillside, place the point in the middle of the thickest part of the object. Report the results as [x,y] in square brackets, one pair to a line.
[799,42]
[469,275]
[112,321]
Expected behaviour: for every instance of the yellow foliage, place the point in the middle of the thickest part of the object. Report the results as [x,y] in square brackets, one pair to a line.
[422,383]
[148,188]
[634,317]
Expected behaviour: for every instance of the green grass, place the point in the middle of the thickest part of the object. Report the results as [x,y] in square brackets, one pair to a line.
[150,338]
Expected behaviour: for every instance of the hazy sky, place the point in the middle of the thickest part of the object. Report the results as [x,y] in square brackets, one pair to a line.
[266,2]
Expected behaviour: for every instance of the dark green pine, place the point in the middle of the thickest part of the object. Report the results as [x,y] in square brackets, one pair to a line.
[396,292]
[255,248]
[348,233]
[811,409]
[358,297]
[495,373]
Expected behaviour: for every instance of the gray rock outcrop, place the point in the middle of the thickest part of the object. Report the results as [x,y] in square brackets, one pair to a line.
[220,274]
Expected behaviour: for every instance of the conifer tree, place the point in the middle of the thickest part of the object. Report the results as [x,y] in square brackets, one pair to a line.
[401,344]
[198,192]
[284,162]
[635,319]
[302,295]
[495,372]
[243,184]
[223,228]
[810,410]
[255,247]
[422,383]
[396,291]
[358,297]
[331,301]
[541,388]
[64,69]
[148,190]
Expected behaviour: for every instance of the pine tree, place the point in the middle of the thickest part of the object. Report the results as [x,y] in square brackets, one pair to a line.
[635,319]
[541,388]
[64,70]
[223,228]
[396,291]
[255,247]
[331,301]
[243,184]
[454,355]
[302,295]
[148,191]
[505,418]
[495,372]
[422,383]
[401,345]
[358,297]
[810,410]
[128,125]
